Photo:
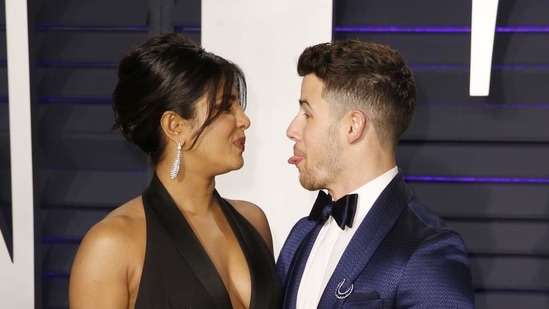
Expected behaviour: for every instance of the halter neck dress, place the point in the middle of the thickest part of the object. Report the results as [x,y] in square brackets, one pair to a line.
[177,271]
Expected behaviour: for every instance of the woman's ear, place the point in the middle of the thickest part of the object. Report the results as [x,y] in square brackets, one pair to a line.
[174,127]
[356,125]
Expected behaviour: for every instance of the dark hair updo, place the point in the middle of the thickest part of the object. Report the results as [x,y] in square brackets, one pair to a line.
[170,73]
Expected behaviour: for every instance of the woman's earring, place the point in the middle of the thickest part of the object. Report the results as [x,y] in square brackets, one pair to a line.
[176,163]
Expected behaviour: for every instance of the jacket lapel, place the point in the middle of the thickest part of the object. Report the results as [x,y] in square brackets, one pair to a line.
[371,232]
[308,234]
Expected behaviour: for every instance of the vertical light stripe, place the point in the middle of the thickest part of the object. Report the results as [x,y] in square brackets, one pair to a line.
[266,37]
[483,26]
[17,277]
[160,16]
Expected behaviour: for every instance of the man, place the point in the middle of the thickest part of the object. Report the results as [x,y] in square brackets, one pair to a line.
[357,99]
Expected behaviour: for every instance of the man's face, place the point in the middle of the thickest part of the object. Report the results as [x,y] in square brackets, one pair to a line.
[317,145]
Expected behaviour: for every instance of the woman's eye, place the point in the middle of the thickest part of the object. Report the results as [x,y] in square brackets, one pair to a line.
[224,107]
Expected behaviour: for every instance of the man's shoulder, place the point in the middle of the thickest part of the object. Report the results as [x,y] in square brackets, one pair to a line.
[419,225]
[425,217]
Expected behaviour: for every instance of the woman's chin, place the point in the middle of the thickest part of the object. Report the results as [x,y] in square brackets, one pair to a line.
[234,167]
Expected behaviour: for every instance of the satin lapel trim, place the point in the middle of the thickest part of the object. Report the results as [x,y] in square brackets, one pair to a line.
[158,199]
[371,232]
[297,266]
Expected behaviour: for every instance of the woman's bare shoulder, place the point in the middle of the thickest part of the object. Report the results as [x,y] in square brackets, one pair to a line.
[107,258]
[120,222]
[132,211]
[256,216]
[117,230]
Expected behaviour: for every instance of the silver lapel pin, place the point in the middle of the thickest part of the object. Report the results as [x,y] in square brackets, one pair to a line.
[343,294]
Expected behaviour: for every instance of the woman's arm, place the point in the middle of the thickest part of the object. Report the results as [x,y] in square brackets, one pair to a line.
[99,275]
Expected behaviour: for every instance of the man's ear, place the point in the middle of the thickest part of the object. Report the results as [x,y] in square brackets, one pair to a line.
[175,128]
[356,125]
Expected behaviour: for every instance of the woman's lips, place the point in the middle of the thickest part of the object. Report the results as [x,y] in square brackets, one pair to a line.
[240,143]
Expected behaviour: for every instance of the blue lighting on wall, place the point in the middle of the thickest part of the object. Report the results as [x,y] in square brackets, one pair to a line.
[400,29]
[474,179]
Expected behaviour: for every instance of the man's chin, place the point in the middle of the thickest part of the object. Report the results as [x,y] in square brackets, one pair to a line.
[307,184]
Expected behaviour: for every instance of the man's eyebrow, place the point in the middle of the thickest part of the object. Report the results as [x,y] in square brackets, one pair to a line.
[304,102]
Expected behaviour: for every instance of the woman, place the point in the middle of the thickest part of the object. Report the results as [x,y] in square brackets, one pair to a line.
[179,245]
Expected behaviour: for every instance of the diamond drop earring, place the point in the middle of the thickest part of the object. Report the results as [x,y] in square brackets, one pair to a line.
[176,162]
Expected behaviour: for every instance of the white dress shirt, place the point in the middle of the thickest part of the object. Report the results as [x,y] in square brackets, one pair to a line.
[332,241]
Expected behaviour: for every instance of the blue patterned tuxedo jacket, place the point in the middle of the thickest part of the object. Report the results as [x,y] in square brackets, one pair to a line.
[401,256]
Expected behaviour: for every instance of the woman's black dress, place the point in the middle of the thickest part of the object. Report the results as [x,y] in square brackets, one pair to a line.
[178,273]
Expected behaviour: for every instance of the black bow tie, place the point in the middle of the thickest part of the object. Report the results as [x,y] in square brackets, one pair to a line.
[343,210]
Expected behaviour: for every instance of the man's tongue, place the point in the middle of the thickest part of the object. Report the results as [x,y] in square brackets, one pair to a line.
[295,159]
